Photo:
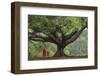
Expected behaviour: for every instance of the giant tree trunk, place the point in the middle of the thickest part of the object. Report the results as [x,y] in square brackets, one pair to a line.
[59,52]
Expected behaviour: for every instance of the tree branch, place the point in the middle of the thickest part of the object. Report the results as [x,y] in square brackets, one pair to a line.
[75,36]
[53,38]
[36,37]
[69,35]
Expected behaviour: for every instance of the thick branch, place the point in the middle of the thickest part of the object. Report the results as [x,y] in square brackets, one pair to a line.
[36,37]
[70,35]
[53,38]
[75,36]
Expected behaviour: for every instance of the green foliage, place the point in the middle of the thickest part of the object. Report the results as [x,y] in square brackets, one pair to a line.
[61,24]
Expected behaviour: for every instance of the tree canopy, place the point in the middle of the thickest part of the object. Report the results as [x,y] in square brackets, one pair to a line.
[60,24]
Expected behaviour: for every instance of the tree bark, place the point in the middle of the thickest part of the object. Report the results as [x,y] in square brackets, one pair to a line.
[59,52]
